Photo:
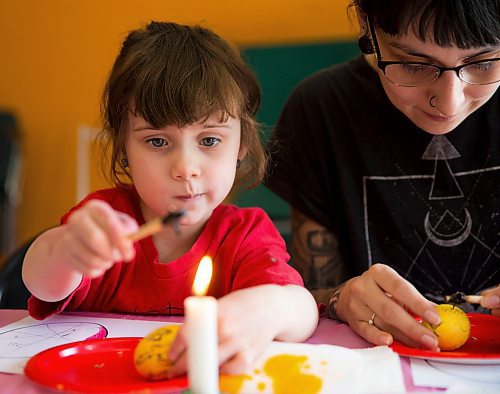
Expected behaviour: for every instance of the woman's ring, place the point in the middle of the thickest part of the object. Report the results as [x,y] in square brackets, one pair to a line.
[371,322]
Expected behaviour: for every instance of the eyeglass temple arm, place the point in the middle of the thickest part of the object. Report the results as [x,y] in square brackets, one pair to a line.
[373,38]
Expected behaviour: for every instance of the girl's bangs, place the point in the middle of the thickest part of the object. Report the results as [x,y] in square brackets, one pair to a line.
[187,92]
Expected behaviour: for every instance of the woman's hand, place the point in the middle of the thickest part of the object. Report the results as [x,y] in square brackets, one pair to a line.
[94,238]
[491,300]
[249,320]
[379,304]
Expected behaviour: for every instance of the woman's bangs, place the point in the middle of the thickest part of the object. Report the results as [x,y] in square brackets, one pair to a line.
[443,22]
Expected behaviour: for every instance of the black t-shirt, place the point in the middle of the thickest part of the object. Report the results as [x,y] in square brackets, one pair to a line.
[429,206]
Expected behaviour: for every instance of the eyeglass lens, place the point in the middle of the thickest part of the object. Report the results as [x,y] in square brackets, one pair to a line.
[414,74]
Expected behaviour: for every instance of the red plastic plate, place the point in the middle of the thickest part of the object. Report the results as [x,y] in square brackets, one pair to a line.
[96,366]
[482,347]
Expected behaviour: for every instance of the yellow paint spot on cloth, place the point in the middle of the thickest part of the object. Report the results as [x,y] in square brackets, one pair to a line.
[281,374]
[232,384]
[286,373]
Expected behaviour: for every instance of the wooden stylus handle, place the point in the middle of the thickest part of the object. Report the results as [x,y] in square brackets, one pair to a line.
[147,229]
[156,225]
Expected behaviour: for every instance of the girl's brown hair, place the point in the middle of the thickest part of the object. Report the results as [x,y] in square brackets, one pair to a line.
[171,74]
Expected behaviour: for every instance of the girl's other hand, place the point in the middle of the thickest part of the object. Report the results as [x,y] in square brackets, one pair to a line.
[249,320]
[95,238]
[246,323]
[380,296]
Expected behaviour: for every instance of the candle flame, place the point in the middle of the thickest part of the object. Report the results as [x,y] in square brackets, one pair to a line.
[203,276]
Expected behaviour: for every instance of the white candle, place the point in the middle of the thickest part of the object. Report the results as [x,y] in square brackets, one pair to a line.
[201,332]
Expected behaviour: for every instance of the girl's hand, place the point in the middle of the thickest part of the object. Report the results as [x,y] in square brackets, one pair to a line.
[95,237]
[491,300]
[383,297]
[249,320]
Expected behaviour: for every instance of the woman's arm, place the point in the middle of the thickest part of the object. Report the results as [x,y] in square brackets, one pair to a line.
[315,254]
[379,295]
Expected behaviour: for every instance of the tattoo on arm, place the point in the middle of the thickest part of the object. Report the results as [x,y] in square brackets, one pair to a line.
[315,254]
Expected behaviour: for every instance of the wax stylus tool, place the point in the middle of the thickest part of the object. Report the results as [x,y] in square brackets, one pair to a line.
[462,298]
[156,225]
[456,298]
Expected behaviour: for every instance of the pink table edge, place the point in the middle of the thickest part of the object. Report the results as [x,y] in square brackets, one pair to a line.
[343,336]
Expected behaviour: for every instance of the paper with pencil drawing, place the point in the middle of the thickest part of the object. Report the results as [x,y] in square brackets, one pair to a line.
[27,337]
[283,367]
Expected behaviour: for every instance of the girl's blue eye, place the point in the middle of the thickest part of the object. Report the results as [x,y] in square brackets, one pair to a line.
[157,142]
[210,141]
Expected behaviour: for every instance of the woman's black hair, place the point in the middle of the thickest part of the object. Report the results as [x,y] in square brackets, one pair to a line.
[461,23]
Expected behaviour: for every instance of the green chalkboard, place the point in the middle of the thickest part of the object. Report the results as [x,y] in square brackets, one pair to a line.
[279,69]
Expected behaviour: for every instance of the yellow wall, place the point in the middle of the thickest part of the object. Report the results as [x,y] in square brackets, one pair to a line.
[55,55]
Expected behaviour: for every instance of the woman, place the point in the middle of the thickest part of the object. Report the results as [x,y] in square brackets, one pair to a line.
[391,165]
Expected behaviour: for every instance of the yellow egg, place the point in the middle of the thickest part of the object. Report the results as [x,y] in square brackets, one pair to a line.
[151,353]
[454,329]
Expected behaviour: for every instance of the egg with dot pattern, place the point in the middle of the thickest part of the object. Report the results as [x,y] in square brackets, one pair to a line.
[151,353]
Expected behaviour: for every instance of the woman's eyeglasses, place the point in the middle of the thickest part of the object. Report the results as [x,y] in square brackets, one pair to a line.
[411,74]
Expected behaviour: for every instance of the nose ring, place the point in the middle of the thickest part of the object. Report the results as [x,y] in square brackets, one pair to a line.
[431,102]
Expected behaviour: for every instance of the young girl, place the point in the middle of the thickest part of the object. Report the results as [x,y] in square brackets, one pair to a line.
[178,111]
